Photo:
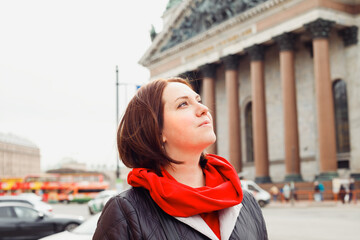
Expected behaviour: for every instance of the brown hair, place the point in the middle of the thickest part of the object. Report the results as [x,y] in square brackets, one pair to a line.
[139,136]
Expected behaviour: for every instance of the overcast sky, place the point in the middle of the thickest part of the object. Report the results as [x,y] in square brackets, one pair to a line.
[57,72]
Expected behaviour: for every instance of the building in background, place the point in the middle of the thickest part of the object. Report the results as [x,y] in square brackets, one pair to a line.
[19,157]
[279,77]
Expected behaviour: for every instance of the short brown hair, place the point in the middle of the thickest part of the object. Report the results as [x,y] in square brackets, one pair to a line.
[139,136]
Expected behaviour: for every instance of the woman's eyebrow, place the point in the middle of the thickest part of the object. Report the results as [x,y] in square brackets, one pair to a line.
[197,96]
[182,97]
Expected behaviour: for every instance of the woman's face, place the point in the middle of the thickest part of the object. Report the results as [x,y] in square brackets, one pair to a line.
[187,122]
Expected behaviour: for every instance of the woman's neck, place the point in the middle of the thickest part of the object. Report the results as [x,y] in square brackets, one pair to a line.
[188,173]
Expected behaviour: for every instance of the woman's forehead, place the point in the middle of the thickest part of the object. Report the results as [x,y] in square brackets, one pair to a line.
[174,90]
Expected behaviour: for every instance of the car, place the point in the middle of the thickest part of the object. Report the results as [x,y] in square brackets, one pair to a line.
[21,221]
[30,195]
[30,200]
[97,204]
[83,232]
[261,196]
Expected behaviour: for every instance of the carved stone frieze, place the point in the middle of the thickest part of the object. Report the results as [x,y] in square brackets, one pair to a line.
[349,35]
[204,15]
[286,41]
[319,28]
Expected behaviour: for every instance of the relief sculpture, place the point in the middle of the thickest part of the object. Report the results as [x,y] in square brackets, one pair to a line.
[205,14]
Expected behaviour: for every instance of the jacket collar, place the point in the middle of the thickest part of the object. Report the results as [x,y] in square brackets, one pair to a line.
[227,218]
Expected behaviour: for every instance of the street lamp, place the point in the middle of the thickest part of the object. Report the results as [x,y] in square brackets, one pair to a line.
[117,120]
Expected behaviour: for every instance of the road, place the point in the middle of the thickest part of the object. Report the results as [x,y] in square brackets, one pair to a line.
[72,208]
[303,221]
[310,221]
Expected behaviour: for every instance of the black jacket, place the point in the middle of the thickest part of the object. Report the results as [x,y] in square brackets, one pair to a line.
[130,215]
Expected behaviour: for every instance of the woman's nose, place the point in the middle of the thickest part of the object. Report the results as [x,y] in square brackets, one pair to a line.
[202,109]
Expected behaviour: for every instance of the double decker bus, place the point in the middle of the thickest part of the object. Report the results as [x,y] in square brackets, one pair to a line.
[71,187]
[81,187]
[10,186]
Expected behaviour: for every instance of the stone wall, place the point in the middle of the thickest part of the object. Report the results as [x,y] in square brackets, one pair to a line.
[18,161]
[352,57]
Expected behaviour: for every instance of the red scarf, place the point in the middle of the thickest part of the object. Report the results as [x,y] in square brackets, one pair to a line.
[222,189]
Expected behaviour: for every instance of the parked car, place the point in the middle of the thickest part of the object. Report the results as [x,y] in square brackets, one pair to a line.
[83,232]
[30,200]
[31,195]
[97,204]
[21,221]
[261,196]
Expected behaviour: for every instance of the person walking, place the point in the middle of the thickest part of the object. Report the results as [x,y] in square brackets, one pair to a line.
[317,193]
[321,190]
[351,189]
[342,193]
[178,191]
[286,192]
[274,191]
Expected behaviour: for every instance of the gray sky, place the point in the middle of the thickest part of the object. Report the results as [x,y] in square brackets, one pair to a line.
[57,72]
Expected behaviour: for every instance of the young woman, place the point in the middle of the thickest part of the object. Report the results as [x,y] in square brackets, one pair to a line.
[178,191]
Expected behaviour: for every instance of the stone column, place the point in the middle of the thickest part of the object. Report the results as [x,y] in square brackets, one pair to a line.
[287,70]
[261,157]
[319,31]
[209,75]
[231,64]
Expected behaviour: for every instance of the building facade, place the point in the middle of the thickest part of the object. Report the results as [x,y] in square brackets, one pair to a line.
[280,78]
[18,157]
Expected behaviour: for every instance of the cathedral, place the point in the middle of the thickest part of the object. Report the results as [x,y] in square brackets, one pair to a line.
[279,77]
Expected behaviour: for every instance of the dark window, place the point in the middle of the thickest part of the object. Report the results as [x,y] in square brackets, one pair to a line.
[5,212]
[341,117]
[343,164]
[252,188]
[249,133]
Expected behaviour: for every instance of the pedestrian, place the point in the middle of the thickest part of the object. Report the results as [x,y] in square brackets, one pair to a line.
[321,190]
[177,189]
[274,191]
[351,189]
[342,193]
[317,193]
[286,192]
[293,191]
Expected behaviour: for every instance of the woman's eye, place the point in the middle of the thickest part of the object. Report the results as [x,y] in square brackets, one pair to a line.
[182,104]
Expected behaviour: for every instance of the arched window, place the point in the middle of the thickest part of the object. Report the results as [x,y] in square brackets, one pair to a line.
[249,133]
[341,117]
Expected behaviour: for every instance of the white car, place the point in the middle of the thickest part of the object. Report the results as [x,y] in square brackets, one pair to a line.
[31,195]
[261,196]
[97,204]
[30,200]
[83,232]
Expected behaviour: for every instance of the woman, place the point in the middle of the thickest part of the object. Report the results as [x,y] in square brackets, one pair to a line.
[178,192]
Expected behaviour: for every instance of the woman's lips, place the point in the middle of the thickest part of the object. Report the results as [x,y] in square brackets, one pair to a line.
[207,122]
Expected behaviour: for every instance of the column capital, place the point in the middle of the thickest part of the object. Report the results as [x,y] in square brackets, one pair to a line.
[286,41]
[231,62]
[320,28]
[349,35]
[188,75]
[208,70]
[256,52]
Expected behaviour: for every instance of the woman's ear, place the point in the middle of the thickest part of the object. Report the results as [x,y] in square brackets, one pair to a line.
[163,139]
